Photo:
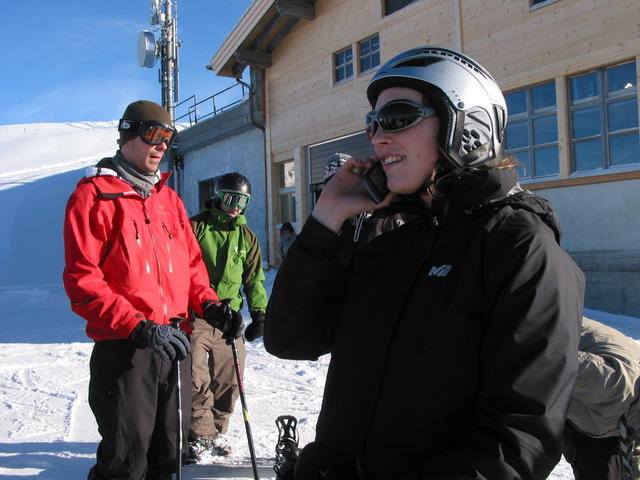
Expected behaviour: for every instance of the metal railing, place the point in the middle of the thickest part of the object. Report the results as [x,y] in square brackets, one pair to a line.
[193,111]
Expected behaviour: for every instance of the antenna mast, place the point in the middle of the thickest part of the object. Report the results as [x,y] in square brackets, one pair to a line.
[165,18]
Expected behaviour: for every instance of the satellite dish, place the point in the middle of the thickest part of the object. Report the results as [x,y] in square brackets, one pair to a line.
[147,49]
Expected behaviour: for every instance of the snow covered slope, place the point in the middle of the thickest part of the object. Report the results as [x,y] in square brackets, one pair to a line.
[47,430]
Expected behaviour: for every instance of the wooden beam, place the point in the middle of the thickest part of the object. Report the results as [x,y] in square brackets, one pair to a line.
[265,32]
[236,69]
[255,58]
[284,31]
[296,9]
[588,180]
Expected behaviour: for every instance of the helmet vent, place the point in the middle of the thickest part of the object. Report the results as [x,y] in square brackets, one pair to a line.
[456,58]
[470,140]
[419,62]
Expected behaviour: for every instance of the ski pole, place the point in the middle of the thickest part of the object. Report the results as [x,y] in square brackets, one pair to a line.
[175,322]
[245,411]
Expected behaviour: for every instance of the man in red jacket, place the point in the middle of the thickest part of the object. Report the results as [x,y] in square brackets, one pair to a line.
[133,269]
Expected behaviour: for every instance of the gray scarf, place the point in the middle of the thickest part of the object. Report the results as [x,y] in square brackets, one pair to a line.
[142,182]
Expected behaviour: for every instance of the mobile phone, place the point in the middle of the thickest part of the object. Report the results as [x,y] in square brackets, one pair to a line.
[375,182]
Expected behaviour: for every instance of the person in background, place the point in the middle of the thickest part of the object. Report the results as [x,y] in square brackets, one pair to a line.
[287,237]
[133,269]
[453,337]
[233,258]
[603,424]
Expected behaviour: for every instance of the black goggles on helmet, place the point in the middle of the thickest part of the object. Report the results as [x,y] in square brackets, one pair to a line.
[397,115]
[234,199]
[151,132]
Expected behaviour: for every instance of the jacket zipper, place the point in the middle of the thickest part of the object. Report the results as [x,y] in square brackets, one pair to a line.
[147,220]
[135,225]
[170,235]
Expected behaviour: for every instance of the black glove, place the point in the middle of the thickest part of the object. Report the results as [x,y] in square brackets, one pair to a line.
[166,340]
[220,315]
[256,327]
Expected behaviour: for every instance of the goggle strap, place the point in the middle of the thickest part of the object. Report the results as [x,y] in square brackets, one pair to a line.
[124,124]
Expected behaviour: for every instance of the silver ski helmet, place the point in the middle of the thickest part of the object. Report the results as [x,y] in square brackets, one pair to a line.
[470,105]
[233,189]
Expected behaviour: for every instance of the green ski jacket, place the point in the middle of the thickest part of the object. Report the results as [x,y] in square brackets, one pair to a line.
[233,258]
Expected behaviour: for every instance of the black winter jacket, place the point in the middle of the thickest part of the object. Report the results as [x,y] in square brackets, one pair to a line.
[453,338]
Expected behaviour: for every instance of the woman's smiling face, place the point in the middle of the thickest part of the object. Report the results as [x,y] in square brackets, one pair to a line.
[408,156]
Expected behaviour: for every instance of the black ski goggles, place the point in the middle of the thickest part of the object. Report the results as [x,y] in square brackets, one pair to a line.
[396,116]
[151,132]
[234,199]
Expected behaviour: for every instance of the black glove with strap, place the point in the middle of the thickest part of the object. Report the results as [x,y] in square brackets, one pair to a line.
[256,327]
[169,342]
[220,315]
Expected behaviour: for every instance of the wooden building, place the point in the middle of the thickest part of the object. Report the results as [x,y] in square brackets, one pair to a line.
[569,70]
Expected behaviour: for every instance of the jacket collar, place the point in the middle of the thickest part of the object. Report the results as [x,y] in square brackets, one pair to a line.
[469,188]
[219,217]
[480,190]
[109,184]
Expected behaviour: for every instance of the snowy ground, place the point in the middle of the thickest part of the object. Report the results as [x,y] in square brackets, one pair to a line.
[46,428]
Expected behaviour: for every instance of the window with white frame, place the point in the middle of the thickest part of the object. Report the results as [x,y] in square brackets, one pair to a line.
[369,53]
[286,192]
[532,131]
[343,65]
[604,118]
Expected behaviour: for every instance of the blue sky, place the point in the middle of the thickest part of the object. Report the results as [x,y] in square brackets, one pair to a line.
[75,60]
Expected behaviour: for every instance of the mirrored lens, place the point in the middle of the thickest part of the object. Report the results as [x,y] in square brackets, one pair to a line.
[156,134]
[236,200]
[396,116]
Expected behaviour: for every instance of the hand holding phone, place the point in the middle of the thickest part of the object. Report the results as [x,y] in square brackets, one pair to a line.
[375,182]
[344,197]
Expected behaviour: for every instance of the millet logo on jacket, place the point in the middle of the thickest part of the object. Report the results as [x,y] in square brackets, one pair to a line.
[441,271]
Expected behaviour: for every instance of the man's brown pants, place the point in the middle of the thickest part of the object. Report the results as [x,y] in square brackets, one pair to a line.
[215,386]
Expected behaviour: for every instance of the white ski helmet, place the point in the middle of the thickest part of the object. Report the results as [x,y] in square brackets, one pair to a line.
[470,105]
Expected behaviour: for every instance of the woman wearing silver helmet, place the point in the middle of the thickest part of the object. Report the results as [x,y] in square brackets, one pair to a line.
[453,337]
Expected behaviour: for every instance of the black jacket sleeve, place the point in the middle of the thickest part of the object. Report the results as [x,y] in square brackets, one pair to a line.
[302,312]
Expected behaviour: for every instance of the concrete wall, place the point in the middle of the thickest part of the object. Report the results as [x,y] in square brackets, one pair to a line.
[601,230]
[222,144]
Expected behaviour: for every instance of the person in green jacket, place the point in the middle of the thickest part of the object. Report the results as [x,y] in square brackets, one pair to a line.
[232,255]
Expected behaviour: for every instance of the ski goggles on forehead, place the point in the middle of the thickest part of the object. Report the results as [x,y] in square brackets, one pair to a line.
[234,199]
[397,115]
[151,133]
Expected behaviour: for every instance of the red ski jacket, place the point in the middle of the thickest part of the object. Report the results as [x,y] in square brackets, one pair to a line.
[128,258]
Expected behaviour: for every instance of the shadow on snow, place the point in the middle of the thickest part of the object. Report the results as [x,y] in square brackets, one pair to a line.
[50,460]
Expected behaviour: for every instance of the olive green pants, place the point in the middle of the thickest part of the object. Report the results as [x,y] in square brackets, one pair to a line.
[215,386]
